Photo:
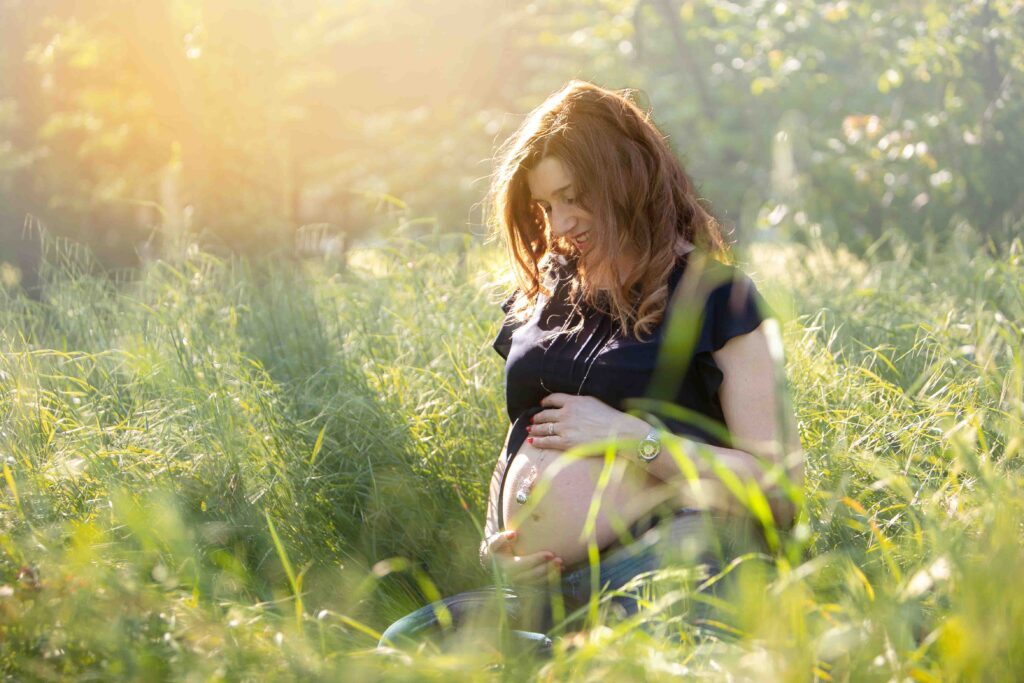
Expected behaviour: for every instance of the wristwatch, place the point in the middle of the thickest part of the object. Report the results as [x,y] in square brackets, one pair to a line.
[649,446]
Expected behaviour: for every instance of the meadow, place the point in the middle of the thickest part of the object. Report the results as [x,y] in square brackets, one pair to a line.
[222,469]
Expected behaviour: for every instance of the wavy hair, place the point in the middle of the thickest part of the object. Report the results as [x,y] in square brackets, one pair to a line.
[627,177]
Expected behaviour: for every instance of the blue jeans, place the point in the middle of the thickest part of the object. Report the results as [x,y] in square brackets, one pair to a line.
[526,615]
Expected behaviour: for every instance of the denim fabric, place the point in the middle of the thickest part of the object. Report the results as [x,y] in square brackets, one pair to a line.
[523,615]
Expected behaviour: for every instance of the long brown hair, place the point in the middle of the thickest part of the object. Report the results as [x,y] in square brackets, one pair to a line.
[626,176]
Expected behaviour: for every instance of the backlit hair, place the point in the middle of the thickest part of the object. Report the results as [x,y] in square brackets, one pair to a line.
[625,175]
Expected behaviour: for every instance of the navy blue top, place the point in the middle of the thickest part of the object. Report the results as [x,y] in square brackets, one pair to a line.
[603,362]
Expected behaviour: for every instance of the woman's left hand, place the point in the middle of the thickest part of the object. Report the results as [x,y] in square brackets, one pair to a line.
[569,420]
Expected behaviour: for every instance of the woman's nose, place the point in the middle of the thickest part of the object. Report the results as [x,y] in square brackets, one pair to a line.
[562,221]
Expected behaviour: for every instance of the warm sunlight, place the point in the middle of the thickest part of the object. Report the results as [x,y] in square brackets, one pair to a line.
[472,340]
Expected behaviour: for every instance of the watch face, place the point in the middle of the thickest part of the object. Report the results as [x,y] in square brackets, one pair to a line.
[648,449]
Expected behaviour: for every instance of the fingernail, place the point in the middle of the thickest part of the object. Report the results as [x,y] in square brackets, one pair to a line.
[528,428]
[510,534]
[531,419]
[529,440]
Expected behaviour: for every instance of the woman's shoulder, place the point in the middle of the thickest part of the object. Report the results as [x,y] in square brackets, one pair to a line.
[552,268]
[705,272]
[723,297]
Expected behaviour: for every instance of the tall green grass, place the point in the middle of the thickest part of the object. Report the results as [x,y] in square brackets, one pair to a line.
[220,469]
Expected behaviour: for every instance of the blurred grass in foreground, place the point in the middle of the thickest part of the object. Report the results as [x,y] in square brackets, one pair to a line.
[185,452]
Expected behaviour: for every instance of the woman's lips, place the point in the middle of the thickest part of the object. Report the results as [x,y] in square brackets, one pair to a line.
[581,239]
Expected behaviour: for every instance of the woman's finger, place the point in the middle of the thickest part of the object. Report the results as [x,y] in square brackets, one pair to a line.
[554,443]
[520,564]
[539,573]
[549,415]
[534,559]
[555,400]
[501,541]
[542,429]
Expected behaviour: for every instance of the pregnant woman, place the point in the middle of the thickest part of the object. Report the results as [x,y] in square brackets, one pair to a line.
[618,297]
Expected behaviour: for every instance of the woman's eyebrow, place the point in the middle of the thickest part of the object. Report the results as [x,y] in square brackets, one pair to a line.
[556,192]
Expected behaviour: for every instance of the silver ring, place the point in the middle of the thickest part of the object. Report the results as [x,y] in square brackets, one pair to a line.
[551,428]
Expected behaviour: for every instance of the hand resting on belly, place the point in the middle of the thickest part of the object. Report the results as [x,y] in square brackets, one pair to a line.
[555,519]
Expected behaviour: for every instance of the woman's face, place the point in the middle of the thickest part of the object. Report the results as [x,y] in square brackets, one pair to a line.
[551,187]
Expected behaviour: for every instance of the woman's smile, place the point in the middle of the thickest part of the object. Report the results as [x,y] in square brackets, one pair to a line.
[580,239]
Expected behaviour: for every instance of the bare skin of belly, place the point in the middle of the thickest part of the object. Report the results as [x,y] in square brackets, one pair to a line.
[555,519]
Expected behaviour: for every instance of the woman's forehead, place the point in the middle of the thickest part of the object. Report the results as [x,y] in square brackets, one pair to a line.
[548,178]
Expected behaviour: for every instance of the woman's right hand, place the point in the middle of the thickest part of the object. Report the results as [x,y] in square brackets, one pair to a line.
[530,568]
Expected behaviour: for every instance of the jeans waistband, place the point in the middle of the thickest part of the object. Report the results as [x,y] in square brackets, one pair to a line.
[648,522]
[636,530]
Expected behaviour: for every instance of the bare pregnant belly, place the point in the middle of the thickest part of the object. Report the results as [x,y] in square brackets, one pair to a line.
[555,520]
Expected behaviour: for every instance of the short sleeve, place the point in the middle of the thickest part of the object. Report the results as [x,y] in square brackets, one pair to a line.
[559,271]
[503,341]
[733,308]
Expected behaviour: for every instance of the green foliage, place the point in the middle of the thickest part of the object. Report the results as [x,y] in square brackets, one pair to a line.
[225,469]
[845,120]
[125,125]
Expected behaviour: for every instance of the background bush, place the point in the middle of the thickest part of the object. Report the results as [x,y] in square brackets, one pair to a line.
[237,124]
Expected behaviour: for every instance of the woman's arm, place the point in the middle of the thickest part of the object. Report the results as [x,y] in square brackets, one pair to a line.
[749,400]
[751,407]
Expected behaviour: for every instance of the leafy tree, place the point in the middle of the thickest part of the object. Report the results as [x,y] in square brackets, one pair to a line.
[125,123]
[848,118]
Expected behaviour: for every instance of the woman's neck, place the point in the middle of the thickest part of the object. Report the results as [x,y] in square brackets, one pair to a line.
[604,279]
